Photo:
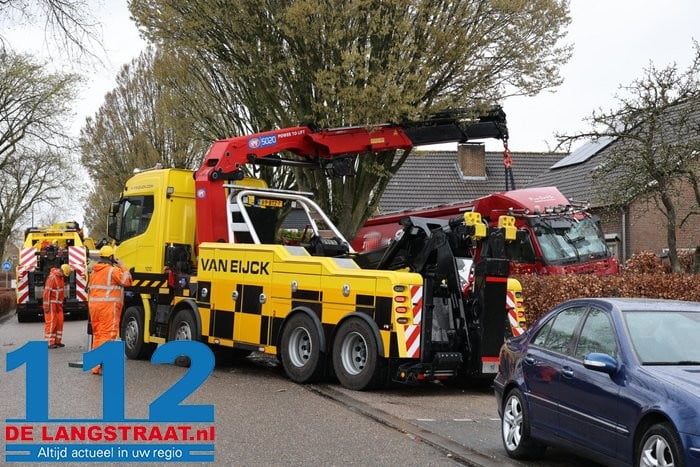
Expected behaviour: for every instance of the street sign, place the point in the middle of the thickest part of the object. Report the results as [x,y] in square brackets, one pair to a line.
[6,266]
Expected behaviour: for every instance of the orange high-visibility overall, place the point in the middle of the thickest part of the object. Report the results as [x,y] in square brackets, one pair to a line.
[53,306]
[105,302]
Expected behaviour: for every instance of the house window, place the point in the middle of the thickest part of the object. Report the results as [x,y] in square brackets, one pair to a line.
[612,240]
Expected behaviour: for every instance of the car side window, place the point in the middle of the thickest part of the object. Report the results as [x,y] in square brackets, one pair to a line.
[542,334]
[561,330]
[597,335]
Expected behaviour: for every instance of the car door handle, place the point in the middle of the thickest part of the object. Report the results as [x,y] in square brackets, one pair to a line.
[530,360]
[567,371]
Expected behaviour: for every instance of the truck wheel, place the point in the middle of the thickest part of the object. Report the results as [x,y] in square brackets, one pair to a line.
[183,328]
[300,350]
[22,318]
[356,359]
[132,335]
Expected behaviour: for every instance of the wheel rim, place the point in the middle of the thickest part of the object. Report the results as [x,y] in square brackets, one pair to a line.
[184,332]
[131,333]
[512,423]
[299,347]
[353,353]
[656,452]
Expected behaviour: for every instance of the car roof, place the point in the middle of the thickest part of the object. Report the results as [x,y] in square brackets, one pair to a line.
[643,304]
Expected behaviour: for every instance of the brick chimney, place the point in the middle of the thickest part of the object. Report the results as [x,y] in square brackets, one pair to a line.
[471,160]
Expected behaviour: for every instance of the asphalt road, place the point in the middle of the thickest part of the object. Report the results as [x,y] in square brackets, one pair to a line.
[262,418]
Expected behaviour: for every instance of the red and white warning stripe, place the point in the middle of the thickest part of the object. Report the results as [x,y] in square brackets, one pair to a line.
[412,332]
[23,288]
[76,258]
[77,262]
[513,313]
[27,262]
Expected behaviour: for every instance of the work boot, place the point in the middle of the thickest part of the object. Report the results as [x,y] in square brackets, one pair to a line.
[53,346]
[60,344]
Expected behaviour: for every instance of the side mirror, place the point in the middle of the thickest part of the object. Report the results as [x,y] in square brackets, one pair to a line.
[112,220]
[600,362]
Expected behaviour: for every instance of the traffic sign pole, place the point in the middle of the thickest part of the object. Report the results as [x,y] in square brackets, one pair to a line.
[6,266]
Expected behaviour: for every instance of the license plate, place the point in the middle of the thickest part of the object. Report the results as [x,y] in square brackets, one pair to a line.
[272,203]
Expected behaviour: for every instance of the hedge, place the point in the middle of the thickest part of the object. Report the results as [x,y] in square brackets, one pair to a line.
[7,301]
[644,275]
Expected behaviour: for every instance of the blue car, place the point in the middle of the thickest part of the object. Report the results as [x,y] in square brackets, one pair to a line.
[615,380]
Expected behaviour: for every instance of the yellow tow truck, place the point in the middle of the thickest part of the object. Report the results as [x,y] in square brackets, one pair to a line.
[44,248]
[211,262]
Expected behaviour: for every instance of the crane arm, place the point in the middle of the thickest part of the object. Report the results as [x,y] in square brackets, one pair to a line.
[227,156]
[319,147]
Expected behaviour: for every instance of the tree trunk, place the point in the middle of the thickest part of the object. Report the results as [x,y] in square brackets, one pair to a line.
[696,261]
[671,232]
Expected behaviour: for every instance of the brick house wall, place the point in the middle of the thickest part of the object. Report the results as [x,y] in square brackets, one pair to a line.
[647,224]
[645,227]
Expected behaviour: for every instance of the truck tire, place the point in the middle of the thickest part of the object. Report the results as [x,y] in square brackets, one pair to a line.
[132,334]
[300,350]
[183,327]
[22,318]
[356,359]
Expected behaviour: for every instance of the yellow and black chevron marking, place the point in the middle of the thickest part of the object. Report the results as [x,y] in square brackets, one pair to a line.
[143,282]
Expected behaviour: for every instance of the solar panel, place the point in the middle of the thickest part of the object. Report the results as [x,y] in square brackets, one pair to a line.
[584,152]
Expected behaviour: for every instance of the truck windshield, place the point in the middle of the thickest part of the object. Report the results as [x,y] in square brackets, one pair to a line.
[565,241]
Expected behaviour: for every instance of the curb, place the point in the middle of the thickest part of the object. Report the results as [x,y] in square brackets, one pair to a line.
[453,450]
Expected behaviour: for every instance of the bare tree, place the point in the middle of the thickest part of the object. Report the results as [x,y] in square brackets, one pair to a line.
[32,104]
[67,23]
[30,178]
[34,146]
[141,123]
[656,127]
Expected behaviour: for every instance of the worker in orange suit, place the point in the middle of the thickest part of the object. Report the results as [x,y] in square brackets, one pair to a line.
[53,297]
[106,298]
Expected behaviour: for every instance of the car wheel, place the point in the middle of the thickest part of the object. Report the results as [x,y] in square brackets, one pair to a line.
[132,334]
[183,328]
[515,428]
[300,351]
[356,359]
[660,446]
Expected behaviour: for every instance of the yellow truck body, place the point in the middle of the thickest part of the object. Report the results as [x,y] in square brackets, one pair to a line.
[313,308]
[43,248]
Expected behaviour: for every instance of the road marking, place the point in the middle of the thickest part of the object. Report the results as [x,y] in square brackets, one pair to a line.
[425,419]
[463,419]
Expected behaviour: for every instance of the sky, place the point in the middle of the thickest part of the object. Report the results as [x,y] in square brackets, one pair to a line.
[614,40]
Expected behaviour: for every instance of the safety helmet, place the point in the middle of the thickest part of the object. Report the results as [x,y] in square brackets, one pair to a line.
[66,270]
[106,251]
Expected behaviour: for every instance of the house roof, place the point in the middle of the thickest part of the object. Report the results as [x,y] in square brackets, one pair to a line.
[573,181]
[429,178]
[574,175]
